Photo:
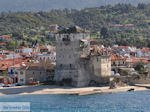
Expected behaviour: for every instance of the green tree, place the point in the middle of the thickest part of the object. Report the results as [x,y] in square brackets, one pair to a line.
[104,32]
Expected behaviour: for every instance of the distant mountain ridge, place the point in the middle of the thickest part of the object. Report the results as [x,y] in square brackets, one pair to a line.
[47,5]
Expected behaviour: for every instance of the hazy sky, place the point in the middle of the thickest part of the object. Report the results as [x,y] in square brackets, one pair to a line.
[46,5]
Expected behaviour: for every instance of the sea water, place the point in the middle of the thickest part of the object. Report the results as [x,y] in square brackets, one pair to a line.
[116,102]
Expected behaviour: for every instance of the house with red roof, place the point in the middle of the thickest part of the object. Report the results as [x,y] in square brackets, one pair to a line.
[134,60]
[4,38]
[117,60]
[3,57]
[122,27]
[4,52]
[3,44]
[53,28]
[42,49]
[14,70]
[6,80]
[7,63]
[129,27]
[143,52]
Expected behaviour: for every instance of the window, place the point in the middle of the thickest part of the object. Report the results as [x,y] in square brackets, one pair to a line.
[33,72]
[83,36]
[60,65]
[68,37]
[21,80]
[1,80]
[16,72]
[21,72]
[97,59]
[70,65]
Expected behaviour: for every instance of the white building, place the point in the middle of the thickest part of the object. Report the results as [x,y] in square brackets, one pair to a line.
[46,57]
[24,50]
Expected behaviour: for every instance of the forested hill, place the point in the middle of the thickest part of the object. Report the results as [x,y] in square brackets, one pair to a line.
[47,5]
[28,27]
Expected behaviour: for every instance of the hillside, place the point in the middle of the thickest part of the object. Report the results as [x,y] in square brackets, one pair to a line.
[30,27]
[47,5]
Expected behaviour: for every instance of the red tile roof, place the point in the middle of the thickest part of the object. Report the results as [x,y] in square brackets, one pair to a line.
[42,47]
[129,25]
[53,25]
[123,47]
[3,56]
[145,49]
[5,64]
[137,60]
[115,57]
[118,25]
[6,38]
[5,51]
[3,44]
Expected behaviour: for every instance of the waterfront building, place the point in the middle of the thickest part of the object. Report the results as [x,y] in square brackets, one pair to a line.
[76,64]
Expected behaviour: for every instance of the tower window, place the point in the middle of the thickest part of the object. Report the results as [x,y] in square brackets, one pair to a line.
[67,36]
[70,65]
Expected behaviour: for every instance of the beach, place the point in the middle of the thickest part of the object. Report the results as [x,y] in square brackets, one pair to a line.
[31,90]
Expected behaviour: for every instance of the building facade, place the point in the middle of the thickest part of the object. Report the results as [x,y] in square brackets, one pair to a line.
[34,74]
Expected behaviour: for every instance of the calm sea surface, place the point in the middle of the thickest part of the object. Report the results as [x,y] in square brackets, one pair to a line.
[116,102]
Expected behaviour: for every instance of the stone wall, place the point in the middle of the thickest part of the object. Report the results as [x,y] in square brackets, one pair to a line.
[84,72]
[131,80]
[101,66]
[35,75]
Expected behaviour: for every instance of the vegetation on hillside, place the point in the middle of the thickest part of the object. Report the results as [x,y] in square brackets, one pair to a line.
[32,27]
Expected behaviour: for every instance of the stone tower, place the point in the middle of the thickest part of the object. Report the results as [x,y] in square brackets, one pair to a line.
[74,64]
[68,52]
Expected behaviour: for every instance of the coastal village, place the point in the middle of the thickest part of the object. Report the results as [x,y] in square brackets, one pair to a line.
[75,56]
[76,60]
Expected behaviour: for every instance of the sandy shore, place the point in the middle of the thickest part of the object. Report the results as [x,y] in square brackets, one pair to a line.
[28,90]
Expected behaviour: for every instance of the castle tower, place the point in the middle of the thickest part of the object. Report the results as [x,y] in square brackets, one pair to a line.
[76,65]
[71,44]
